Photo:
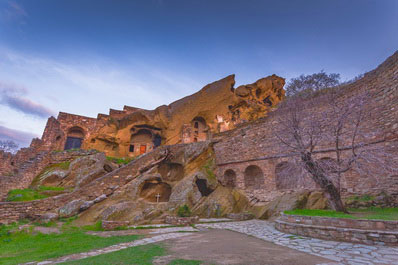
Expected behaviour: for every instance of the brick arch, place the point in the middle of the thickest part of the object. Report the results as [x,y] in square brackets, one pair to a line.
[230,178]
[74,138]
[76,131]
[253,177]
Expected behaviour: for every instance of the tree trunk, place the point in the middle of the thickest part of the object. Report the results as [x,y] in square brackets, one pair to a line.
[318,175]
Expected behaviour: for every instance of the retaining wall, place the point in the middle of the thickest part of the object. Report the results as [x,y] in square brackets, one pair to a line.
[373,232]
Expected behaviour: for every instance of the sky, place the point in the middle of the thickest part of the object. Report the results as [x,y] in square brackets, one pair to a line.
[86,56]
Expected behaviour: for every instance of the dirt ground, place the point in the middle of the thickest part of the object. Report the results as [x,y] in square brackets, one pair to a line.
[228,247]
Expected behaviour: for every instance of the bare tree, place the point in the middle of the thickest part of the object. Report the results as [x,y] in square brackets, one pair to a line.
[8,146]
[335,124]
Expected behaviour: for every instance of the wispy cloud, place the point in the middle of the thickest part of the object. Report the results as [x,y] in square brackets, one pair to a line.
[20,137]
[11,96]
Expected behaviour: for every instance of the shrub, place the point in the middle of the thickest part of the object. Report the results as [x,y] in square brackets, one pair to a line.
[183,211]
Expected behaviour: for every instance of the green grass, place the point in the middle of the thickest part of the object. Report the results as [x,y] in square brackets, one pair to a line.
[20,247]
[142,255]
[47,188]
[19,195]
[368,213]
[377,213]
[120,161]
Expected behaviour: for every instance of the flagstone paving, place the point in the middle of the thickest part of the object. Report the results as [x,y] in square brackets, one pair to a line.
[340,252]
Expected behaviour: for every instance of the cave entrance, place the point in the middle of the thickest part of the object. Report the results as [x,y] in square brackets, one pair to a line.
[154,190]
[203,188]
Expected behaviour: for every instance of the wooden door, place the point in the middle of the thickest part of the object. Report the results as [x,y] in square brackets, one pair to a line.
[142,149]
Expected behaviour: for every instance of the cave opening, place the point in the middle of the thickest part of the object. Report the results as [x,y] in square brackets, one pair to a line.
[203,188]
[154,190]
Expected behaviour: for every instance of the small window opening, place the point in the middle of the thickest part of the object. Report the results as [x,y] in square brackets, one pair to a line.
[131,149]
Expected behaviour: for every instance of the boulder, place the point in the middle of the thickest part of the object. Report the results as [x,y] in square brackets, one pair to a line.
[86,205]
[100,198]
[70,209]
[48,217]
[114,212]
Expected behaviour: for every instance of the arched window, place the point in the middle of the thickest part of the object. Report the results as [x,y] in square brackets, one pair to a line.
[74,138]
[254,177]
[230,178]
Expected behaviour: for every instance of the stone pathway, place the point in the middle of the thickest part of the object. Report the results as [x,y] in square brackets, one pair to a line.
[113,248]
[340,252]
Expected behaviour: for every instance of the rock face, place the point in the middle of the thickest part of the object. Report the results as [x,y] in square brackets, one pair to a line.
[217,107]
[81,171]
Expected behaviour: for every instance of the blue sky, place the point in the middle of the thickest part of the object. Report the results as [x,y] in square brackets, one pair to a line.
[86,56]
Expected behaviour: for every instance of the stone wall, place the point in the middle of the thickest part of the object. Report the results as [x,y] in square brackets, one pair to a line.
[255,144]
[358,231]
[26,172]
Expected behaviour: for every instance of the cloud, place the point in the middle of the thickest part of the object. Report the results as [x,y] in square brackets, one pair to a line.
[20,137]
[11,97]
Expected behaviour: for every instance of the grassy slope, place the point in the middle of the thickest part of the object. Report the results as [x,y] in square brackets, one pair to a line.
[19,195]
[368,213]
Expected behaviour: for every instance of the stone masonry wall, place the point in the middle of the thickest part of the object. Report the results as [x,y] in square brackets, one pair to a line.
[33,166]
[358,231]
[255,144]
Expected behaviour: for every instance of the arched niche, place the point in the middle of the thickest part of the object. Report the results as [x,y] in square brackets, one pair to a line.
[285,176]
[230,178]
[199,129]
[254,177]
[74,138]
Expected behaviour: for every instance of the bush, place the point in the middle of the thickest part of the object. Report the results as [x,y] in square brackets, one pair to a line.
[183,211]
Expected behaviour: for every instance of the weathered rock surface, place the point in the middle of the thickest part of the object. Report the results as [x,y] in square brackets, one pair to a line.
[70,209]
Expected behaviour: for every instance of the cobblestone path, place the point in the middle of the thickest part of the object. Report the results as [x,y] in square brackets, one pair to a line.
[339,252]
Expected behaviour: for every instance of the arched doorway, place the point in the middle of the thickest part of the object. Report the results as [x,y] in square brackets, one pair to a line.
[74,138]
[141,142]
[254,177]
[230,178]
